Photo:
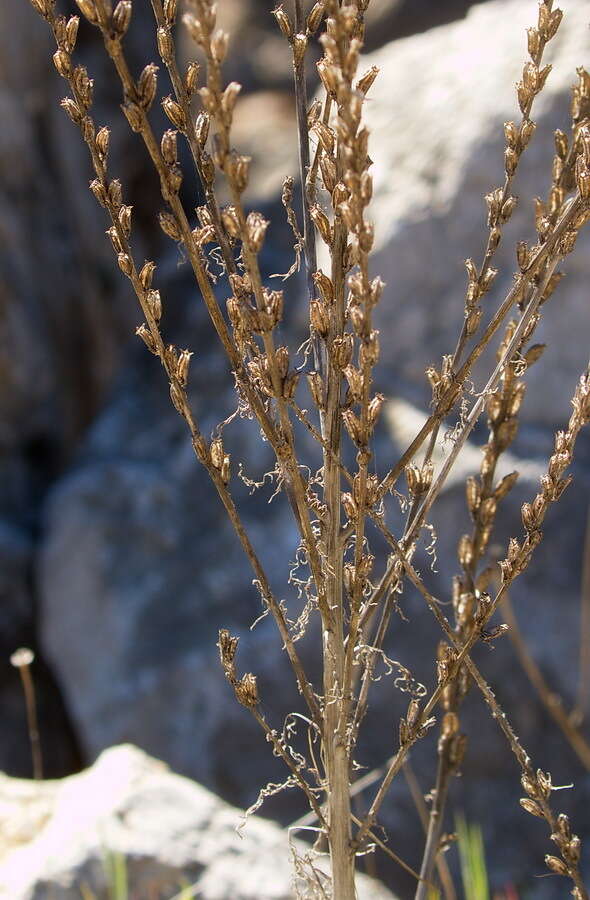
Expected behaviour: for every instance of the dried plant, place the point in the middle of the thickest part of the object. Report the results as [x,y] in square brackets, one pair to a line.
[338,510]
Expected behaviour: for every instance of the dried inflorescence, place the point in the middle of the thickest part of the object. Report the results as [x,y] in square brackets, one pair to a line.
[335,571]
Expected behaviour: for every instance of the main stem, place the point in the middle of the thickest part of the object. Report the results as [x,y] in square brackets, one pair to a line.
[337,764]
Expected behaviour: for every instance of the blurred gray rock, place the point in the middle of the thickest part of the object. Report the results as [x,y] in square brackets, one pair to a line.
[436,115]
[130,811]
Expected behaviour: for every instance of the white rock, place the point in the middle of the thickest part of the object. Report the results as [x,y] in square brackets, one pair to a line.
[58,838]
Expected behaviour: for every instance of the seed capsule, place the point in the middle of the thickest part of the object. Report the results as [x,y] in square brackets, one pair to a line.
[556,865]
[165,44]
[284,22]
[169,226]
[174,112]
[191,79]
[532,807]
[145,334]
[122,17]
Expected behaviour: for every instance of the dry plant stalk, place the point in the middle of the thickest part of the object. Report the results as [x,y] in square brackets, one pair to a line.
[335,509]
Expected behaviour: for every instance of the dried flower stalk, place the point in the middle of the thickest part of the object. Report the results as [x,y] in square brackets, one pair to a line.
[335,508]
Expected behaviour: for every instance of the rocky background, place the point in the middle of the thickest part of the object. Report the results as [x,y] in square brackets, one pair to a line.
[118,567]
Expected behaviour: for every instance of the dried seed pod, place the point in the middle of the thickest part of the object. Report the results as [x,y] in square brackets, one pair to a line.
[322,223]
[191,79]
[573,849]
[99,192]
[228,647]
[115,240]
[413,479]
[72,109]
[522,255]
[563,826]
[169,226]
[369,352]
[125,219]
[319,318]
[328,170]
[316,389]
[88,10]
[231,222]
[63,63]
[256,225]
[165,44]
[348,577]
[324,286]
[353,426]
[315,17]
[169,146]
[154,302]
[505,485]
[510,161]
[556,865]
[511,134]
[125,263]
[146,275]
[282,360]
[532,807]
[43,7]
[487,510]
[465,551]
[568,241]
[299,45]
[561,144]
[170,11]
[219,45]
[194,28]
[355,382]
[360,321]
[284,22]
[524,97]
[366,188]
[366,237]
[240,172]
[494,204]
[246,691]
[121,17]
[174,112]
[102,142]
[473,491]
[507,210]
[534,353]
[583,182]
[365,81]
[290,385]
[87,129]
[229,98]
[183,366]
[350,506]
[374,409]
[145,334]
[494,238]
[533,42]
[326,139]
[217,453]
[341,349]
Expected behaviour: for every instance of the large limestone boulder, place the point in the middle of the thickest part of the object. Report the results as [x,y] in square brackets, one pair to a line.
[436,118]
